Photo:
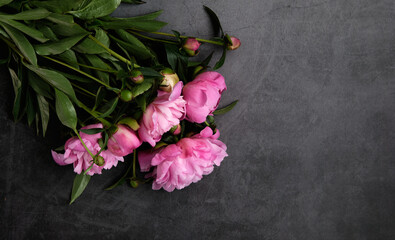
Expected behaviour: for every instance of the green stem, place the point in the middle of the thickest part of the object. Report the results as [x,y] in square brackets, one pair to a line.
[93,114]
[207,123]
[79,71]
[112,52]
[152,39]
[83,144]
[184,37]
[98,69]
[134,163]
[84,91]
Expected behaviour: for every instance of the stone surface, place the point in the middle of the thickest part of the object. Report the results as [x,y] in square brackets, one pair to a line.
[311,142]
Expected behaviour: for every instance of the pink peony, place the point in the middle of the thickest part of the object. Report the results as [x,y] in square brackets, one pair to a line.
[178,165]
[162,114]
[76,154]
[203,95]
[191,46]
[236,43]
[123,141]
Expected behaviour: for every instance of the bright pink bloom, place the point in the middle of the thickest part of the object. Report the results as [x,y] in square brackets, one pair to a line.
[162,114]
[76,154]
[178,165]
[123,141]
[203,95]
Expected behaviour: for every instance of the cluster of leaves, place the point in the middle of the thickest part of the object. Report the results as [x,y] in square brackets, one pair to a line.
[71,57]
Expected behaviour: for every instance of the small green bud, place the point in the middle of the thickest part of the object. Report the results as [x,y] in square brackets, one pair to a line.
[126,95]
[134,183]
[130,122]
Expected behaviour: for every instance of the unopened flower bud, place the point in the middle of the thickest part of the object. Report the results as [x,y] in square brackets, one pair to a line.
[136,76]
[134,183]
[234,43]
[191,46]
[175,130]
[126,95]
[99,161]
[169,81]
[123,141]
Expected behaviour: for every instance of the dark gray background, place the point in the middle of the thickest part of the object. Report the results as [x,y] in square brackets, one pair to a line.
[311,142]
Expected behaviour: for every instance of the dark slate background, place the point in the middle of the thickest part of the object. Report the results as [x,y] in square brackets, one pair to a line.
[311,142]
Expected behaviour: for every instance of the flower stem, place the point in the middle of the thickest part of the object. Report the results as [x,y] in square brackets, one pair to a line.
[79,71]
[134,163]
[220,43]
[152,39]
[93,114]
[112,52]
[83,91]
[98,69]
[83,144]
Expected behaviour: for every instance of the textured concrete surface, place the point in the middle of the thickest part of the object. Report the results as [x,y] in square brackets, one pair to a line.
[311,142]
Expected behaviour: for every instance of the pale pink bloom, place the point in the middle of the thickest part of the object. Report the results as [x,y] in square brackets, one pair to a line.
[162,114]
[123,141]
[76,154]
[178,165]
[203,95]
[236,43]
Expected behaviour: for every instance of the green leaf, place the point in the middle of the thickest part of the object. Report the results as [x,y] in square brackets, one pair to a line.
[5,2]
[171,53]
[141,88]
[58,6]
[96,9]
[111,107]
[44,112]
[22,43]
[69,57]
[143,25]
[149,72]
[56,80]
[88,46]
[221,61]
[79,185]
[30,110]
[67,29]
[48,33]
[65,110]
[53,48]
[97,62]
[16,82]
[133,1]
[34,14]
[60,18]
[225,109]
[101,93]
[32,32]
[141,102]
[215,21]
[92,131]
[39,85]
[133,45]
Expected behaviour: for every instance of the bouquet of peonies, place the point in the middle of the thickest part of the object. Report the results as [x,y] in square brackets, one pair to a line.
[120,85]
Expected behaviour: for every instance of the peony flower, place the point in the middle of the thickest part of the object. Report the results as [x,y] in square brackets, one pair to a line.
[76,154]
[123,141]
[236,43]
[191,46]
[162,114]
[178,165]
[203,95]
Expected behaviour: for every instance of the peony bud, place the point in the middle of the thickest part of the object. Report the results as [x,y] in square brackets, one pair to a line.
[123,141]
[99,161]
[169,81]
[136,76]
[234,43]
[191,46]
[175,130]
[126,95]
[134,183]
